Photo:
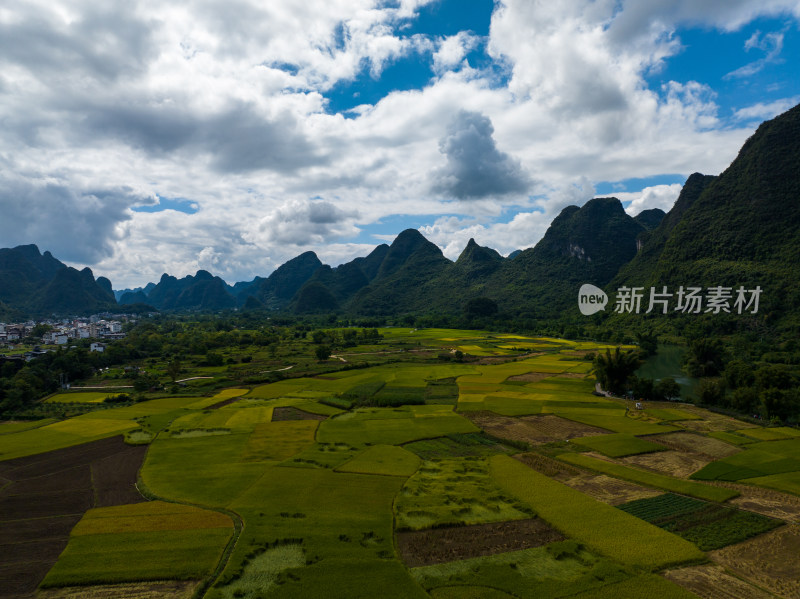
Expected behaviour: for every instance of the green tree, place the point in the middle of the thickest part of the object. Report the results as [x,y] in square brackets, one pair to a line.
[667,388]
[174,369]
[323,352]
[613,370]
[706,357]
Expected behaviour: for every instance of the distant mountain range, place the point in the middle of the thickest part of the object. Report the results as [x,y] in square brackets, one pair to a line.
[740,228]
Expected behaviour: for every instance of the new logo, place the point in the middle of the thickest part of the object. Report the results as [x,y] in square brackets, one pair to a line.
[591,299]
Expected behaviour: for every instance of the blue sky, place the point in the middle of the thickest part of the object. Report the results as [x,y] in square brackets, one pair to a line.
[179,135]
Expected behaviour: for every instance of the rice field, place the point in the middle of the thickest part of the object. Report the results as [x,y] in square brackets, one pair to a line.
[599,526]
[324,489]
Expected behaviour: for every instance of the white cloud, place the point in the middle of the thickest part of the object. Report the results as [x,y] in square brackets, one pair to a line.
[771,44]
[656,196]
[765,111]
[453,49]
[224,105]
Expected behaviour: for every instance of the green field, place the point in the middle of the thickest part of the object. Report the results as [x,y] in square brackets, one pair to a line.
[148,541]
[383,459]
[559,570]
[618,445]
[455,491]
[758,459]
[600,527]
[276,503]
[707,525]
[82,397]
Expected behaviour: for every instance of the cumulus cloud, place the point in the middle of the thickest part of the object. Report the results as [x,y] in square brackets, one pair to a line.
[656,196]
[226,105]
[476,168]
[75,225]
[302,223]
[453,49]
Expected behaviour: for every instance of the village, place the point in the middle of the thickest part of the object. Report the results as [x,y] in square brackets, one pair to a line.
[27,340]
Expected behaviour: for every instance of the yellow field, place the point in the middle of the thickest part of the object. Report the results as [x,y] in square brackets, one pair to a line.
[150,516]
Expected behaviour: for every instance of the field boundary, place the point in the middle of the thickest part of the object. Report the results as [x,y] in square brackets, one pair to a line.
[238,528]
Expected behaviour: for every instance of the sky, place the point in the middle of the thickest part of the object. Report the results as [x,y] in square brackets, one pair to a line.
[155,136]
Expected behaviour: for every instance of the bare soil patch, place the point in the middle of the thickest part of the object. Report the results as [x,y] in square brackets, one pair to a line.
[712,421]
[548,466]
[695,443]
[599,486]
[672,462]
[712,582]
[536,430]
[529,377]
[19,580]
[768,560]
[608,489]
[46,496]
[291,413]
[115,477]
[764,501]
[438,545]
[140,590]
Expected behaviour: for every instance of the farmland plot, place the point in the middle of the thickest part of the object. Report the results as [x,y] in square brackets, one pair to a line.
[591,522]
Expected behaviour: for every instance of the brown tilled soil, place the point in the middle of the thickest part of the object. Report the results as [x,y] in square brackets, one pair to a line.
[438,545]
[290,413]
[695,443]
[609,490]
[713,422]
[536,430]
[530,377]
[139,590]
[712,582]
[769,560]
[599,486]
[48,493]
[672,462]
[764,501]
[548,466]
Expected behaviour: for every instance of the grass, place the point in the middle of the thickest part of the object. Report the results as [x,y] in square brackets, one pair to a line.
[454,491]
[708,525]
[599,526]
[618,445]
[383,459]
[559,570]
[650,479]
